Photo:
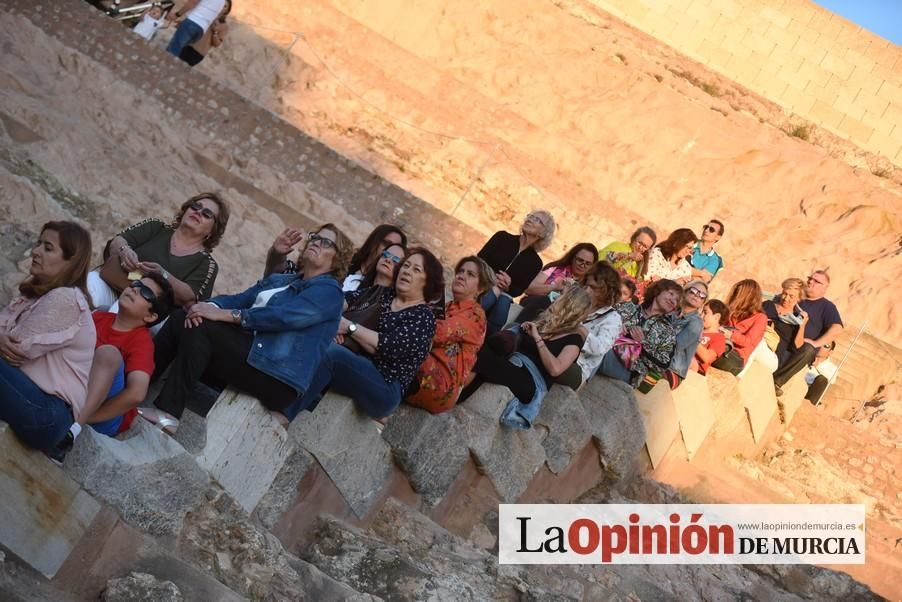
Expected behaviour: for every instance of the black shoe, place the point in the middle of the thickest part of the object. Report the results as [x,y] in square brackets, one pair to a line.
[57,453]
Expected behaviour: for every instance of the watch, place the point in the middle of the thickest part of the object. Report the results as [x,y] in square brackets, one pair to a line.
[352,328]
[236,316]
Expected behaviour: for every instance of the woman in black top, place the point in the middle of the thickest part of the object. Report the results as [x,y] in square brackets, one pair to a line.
[515,259]
[392,352]
[549,346]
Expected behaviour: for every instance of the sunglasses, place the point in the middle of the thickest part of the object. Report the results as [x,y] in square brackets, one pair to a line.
[698,293]
[388,255]
[146,293]
[710,228]
[534,218]
[815,280]
[204,211]
[322,240]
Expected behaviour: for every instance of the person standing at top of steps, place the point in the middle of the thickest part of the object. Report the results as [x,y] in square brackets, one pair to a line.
[199,15]
[823,327]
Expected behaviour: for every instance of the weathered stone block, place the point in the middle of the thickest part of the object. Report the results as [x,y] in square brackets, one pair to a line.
[567,427]
[660,417]
[695,411]
[756,389]
[141,587]
[148,478]
[478,416]
[45,512]
[348,446]
[430,449]
[793,397]
[615,423]
[284,488]
[245,447]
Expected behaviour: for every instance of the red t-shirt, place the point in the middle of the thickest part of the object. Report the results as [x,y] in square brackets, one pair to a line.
[136,345]
[714,341]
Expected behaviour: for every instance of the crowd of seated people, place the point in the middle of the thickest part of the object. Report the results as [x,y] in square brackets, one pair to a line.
[372,324]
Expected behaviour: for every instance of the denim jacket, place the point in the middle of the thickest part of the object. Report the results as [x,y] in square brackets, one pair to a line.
[293,330]
[688,329]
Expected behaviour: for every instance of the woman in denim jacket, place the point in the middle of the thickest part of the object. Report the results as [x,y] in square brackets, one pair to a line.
[267,341]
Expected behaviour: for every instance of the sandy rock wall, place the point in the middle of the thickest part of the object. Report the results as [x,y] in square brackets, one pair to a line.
[803,57]
[487,112]
[100,127]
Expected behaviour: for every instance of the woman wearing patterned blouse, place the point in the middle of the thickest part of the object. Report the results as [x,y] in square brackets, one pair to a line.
[457,339]
[649,325]
[180,251]
[377,379]
[47,339]
[669,260]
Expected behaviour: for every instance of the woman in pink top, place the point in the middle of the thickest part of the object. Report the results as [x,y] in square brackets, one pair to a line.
[47,339]
[747,318]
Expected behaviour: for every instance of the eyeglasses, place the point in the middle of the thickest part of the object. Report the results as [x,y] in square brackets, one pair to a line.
[199,208]
[697,293]
[710,228]
[815,280]
[324,242]
[388,255]
[534,218]
[146,292]
[583,263]
[641,246]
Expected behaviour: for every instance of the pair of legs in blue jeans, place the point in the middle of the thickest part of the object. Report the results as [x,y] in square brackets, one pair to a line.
[188,32]
[38,419]
[347,373]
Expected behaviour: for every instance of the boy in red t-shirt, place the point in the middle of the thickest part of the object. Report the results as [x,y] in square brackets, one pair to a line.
[712,344]
[123,357]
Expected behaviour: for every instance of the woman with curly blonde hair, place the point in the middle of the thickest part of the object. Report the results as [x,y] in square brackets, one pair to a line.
[551,344]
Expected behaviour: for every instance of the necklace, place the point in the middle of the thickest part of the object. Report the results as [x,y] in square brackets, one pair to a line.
[182,249]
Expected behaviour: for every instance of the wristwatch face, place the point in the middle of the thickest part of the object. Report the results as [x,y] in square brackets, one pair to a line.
[352,328]
[236,315]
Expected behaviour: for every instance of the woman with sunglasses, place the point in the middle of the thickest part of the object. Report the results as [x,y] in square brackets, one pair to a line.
[362,263]
[267,341]
[687,323]
[515,259]
[180,251]
[47,339]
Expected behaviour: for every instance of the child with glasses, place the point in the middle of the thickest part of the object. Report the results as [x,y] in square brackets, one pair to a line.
[123,360]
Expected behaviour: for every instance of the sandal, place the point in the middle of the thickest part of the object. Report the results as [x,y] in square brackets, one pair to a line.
[163,421]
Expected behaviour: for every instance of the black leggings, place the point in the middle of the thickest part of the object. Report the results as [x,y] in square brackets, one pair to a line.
[494,368]
[214,353]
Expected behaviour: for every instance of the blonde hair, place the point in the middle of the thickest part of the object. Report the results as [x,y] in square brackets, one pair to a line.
[566,313]
[795,284]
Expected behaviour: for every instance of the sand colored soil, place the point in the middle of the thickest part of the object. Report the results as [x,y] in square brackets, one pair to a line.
[488,110]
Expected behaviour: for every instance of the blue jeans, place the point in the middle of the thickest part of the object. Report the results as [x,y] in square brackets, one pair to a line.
[38,419]
[110,427]
[520,414]
[187,33]
[612,368]
[347,373]
[496,310]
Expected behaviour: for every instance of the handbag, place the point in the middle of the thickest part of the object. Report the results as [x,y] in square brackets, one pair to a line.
[730,362]
[627,351]
[771,338]
[365,312]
